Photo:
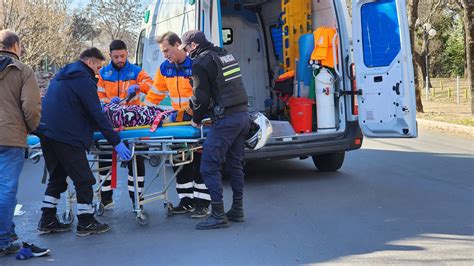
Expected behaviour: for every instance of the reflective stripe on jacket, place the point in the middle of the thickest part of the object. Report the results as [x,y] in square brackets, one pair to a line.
[113,83]
[173,80]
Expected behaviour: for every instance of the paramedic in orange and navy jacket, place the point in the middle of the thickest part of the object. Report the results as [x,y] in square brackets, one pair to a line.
[173,78]
[118,80]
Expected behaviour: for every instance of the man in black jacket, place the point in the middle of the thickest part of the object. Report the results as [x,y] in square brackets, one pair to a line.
[71,112]
[219,92]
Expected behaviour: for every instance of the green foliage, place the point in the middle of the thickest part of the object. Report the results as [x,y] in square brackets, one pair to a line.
[448,59]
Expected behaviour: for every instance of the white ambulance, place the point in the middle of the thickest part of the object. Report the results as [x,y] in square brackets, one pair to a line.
[378,100]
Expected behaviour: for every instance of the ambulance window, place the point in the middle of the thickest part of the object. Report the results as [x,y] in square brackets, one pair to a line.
[227,36]
[380,33]
[140,48]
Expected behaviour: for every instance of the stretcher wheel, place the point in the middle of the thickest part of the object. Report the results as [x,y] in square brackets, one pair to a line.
[68,217]
[142,218]
[99,208]
[154,161]
[169,209]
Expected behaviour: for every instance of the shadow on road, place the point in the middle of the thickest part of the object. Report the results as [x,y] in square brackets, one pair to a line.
[379,201]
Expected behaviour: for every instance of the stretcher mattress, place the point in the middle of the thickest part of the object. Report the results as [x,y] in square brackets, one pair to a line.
[178,132]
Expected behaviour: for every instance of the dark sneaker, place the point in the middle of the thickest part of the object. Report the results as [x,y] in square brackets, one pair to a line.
[36,251]
[13,237]
[108,204]
[12,249]
[200,213]
[46,226]
[182,208]
[93,227]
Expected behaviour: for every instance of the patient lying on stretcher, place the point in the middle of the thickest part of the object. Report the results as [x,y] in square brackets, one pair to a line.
[135,115]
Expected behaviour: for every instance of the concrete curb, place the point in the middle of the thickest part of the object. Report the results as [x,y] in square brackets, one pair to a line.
[443,126]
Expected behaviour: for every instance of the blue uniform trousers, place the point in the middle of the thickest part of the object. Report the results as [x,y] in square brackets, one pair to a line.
[224,146]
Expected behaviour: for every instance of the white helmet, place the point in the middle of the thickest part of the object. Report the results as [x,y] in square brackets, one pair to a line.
[260,131]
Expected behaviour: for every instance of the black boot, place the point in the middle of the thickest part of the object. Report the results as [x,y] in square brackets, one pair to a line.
[88,225]
[236,212]
[217,218]
[49,222]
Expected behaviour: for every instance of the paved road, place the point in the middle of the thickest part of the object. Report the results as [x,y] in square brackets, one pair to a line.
[394,201]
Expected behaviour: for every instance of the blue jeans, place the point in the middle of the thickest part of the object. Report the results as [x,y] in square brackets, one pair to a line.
[11,163]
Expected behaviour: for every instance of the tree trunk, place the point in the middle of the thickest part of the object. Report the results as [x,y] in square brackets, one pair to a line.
[412,16]
[468,7]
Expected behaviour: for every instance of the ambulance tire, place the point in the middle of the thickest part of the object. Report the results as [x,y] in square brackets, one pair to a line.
[329,162]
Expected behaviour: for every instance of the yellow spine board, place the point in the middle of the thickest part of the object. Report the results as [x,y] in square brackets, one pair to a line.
[296,22]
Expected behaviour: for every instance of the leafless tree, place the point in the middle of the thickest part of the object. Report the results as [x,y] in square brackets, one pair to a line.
[43,27]
[117,19]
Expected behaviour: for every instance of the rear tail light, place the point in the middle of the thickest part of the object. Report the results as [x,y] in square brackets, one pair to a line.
[357,141]
[355,106]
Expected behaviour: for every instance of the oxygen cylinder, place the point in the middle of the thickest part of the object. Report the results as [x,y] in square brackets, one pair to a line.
[325,102]
[306,45]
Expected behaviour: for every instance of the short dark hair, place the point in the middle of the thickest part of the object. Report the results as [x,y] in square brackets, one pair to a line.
[117,45]
[8,39]
[169,36]
[92,53]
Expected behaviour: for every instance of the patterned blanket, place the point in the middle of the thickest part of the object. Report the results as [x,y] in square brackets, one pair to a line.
[136,115]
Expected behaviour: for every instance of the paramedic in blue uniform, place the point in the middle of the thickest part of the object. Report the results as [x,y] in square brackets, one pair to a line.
[219,92]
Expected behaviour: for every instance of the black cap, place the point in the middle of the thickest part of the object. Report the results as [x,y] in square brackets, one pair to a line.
[190,36]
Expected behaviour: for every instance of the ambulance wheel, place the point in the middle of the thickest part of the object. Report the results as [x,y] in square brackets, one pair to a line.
[99,209]
[154,161]
[329,162]
[142,218]
[169,209]
[68,217]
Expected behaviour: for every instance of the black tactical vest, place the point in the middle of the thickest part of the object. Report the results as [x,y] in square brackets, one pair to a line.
[230,88]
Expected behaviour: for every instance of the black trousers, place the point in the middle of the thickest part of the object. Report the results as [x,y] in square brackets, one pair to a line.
[190,186]
[107,192]
[63,160]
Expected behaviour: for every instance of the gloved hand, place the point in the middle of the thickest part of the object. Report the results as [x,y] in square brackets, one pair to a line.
[172,117]
[133,89]
[123,151]
[115,100]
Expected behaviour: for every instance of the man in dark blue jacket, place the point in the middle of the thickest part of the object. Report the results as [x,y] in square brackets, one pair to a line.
[71,112]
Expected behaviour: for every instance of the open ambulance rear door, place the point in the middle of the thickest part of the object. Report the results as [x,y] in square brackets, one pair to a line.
[209,20]
[384,68]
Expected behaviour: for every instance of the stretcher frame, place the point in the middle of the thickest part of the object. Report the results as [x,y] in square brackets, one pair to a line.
[169,152]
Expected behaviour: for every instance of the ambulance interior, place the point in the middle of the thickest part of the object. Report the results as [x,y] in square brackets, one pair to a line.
[256,32]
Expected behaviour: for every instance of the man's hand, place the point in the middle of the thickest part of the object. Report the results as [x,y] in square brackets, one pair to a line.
[133,90]
[196,125]
[115,100]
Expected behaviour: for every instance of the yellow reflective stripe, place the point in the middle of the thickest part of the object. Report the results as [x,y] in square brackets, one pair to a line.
[232,71]
[148,103]
[183,99]
[155,90]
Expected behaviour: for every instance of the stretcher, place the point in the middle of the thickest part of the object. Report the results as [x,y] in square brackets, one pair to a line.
[172,145]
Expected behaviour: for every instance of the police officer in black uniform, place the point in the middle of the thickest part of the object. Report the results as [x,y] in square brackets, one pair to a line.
[219,92]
